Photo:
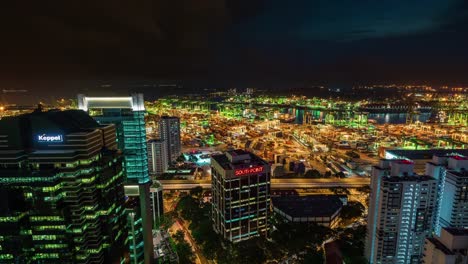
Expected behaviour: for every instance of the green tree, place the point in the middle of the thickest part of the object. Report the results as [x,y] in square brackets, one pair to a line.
[313,256]
[196,192]
[166,221]
[364,189]
[287,239]
[313,174]
[352,210]
[296,236]
[188,207]
[251,251]
[181,158]
[340,175]
[179,236]
[185,253]
[351,242]
[339,190]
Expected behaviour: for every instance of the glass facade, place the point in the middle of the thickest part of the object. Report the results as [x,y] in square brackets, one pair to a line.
[61,203]
[128,116]
[135,234]
[240,197]
[131,139]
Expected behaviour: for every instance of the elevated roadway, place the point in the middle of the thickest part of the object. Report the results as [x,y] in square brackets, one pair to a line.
[275,183]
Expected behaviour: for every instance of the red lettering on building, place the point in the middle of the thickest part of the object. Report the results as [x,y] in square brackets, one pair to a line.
[245,171]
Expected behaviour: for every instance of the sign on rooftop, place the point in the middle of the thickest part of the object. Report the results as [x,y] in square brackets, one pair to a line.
[49,138]
[240,172]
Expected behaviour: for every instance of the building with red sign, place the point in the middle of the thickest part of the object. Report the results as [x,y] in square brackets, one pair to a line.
[241,195]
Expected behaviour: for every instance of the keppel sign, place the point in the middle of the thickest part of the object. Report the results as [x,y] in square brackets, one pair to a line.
[44,138]
[251,170]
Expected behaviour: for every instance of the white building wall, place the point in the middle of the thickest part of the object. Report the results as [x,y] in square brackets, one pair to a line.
[400,213]
[158,158]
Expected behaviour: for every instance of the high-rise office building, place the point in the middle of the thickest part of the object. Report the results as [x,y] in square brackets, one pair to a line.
[158,158]
[240,195]
[61,190]
[450,247]
[127,114]
[169,131]
[401,211]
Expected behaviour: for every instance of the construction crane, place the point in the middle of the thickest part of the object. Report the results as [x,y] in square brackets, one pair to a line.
[412,108]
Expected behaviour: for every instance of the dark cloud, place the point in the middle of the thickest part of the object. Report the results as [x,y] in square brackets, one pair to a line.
[251,40]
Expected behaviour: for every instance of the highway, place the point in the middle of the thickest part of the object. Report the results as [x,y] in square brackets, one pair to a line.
[275,183]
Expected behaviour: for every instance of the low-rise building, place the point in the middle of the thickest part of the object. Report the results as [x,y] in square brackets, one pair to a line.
[320,209]
[448,248]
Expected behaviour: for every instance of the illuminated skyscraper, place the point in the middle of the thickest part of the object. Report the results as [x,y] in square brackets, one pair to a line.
[127,114]
[451,171]
[401,211]
[241,195]
[169,131]
[61,190]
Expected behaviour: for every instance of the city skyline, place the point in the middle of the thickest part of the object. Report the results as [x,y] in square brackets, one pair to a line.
[241,174]
[234,132]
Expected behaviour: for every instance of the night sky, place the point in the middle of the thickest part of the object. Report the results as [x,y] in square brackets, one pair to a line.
[323,41]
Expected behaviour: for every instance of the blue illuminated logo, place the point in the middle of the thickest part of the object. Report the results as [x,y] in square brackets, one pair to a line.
[44,138]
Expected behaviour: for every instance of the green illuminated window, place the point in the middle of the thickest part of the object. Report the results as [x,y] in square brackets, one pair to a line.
[44,237]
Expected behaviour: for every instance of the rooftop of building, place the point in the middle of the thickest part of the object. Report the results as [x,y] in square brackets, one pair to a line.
[387,163]
[381,168]
[109,102]
[403,161]
[169,117]
[54,151]
[134,102]
[23,130]
[70,121]
[308,206]
[156,184]
[461,173]
[238,152]
[438,245]
[157,140]
[224,161]
[409,178]
[457,231]
[459,157]
[426,154]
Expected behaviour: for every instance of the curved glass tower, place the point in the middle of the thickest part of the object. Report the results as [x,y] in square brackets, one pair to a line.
[61,190]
